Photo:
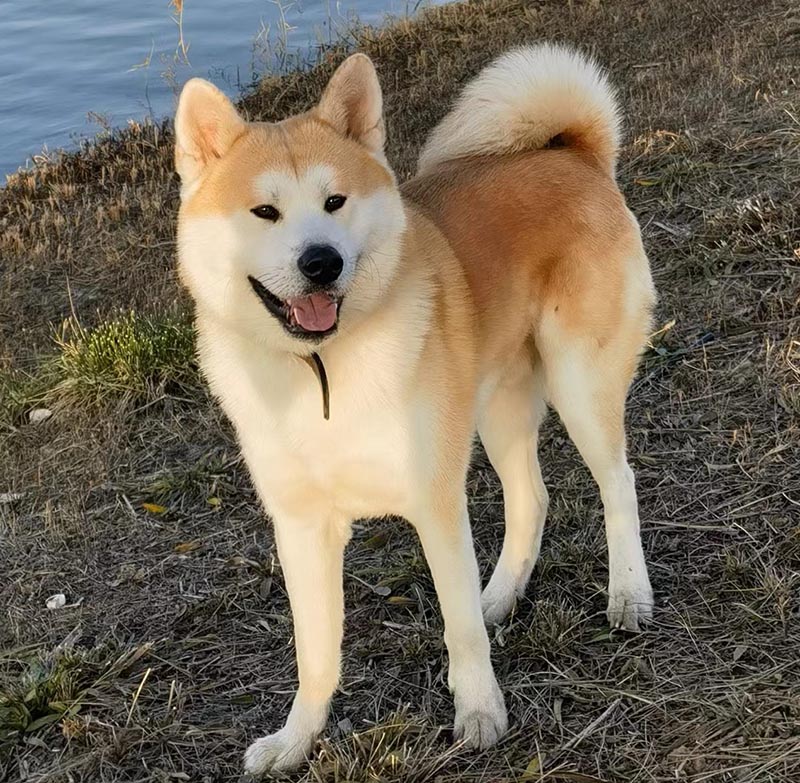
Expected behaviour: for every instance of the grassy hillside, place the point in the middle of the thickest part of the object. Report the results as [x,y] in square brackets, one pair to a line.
[175,647]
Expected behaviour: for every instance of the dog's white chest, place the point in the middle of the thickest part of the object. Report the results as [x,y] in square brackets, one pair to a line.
[357,463]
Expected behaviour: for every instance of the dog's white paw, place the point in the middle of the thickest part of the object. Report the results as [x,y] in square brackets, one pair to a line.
[630,602]
[497,602]
[280,752]
[481,725]
[500,595]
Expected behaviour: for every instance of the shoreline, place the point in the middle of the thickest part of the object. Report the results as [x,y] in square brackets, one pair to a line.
[91,69]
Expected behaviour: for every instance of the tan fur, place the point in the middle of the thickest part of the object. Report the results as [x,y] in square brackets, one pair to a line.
[292,145]
[541,231]
[493,283]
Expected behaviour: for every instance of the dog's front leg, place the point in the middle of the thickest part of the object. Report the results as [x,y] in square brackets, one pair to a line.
[446,538]
[311,558]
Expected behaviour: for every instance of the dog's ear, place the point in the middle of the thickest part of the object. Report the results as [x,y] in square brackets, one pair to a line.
[206,125]
[352,103]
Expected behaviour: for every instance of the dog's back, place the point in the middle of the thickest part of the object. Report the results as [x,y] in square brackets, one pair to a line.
[519,176]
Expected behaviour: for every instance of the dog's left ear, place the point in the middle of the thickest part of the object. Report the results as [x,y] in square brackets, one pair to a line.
[352,103]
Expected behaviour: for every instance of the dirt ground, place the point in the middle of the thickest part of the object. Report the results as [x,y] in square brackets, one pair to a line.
[175,649]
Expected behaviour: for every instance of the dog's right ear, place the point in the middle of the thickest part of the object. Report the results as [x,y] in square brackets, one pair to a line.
[206,125]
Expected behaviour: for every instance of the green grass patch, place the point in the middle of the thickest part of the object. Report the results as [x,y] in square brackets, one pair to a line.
[46,691]
[53,687]
[131,356]
[22,391]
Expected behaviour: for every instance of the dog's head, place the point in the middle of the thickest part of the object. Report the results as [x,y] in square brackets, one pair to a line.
[288,230]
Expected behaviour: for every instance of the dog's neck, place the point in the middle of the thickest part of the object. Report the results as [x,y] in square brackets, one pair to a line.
[397,326]
[317,366]
[395,307]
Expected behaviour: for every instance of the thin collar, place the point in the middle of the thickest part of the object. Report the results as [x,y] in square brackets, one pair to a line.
[315,363]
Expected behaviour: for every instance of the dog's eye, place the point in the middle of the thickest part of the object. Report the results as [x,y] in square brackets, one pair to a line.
[332,203]
[266,212]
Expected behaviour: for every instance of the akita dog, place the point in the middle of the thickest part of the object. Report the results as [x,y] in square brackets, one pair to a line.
[358,333]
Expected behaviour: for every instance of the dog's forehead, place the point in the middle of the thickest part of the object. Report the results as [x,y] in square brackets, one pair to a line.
[281,184]
[284,159]
[306,152]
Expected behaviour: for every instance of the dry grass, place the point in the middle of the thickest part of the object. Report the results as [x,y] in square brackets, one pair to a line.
[179,650]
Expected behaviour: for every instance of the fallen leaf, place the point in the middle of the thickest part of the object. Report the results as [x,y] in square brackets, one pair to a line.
[377,541]
[188,546]
[534,769]
[345,726]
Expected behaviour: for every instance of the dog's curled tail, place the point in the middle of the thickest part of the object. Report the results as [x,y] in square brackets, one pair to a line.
[524,100]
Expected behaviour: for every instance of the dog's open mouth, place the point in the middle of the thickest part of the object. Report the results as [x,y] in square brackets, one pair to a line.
[312,316]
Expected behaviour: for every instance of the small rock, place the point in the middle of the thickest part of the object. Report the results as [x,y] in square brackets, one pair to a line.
[345,726]
[57,601]
[38,415]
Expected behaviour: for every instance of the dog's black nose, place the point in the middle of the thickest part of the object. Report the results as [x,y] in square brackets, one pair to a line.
[321,264]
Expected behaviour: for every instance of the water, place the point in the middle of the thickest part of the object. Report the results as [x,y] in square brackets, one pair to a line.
[70,67]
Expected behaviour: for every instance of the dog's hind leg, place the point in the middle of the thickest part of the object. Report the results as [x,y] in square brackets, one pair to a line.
[587,384]
[311,556]
[509,426]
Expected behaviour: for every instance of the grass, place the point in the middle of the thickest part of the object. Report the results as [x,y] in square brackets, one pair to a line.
[141,512]
[22,392]
[54,687]
[130,354]
[130,357]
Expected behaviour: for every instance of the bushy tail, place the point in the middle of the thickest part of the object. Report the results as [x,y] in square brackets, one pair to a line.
[524,99]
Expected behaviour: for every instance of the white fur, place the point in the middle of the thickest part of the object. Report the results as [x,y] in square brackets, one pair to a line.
[522,100]
[220,252]
[375,456]
[372,458]
[572,387]
[377,453]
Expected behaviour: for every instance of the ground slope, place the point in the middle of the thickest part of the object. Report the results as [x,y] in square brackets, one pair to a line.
[131,499]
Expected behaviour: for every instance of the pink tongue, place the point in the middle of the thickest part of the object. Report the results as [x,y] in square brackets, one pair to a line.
[315,313]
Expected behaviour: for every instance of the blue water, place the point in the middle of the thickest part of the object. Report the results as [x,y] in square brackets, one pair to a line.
[70,67]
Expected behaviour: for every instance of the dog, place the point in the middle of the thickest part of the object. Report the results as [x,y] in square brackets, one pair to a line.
[357,334]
